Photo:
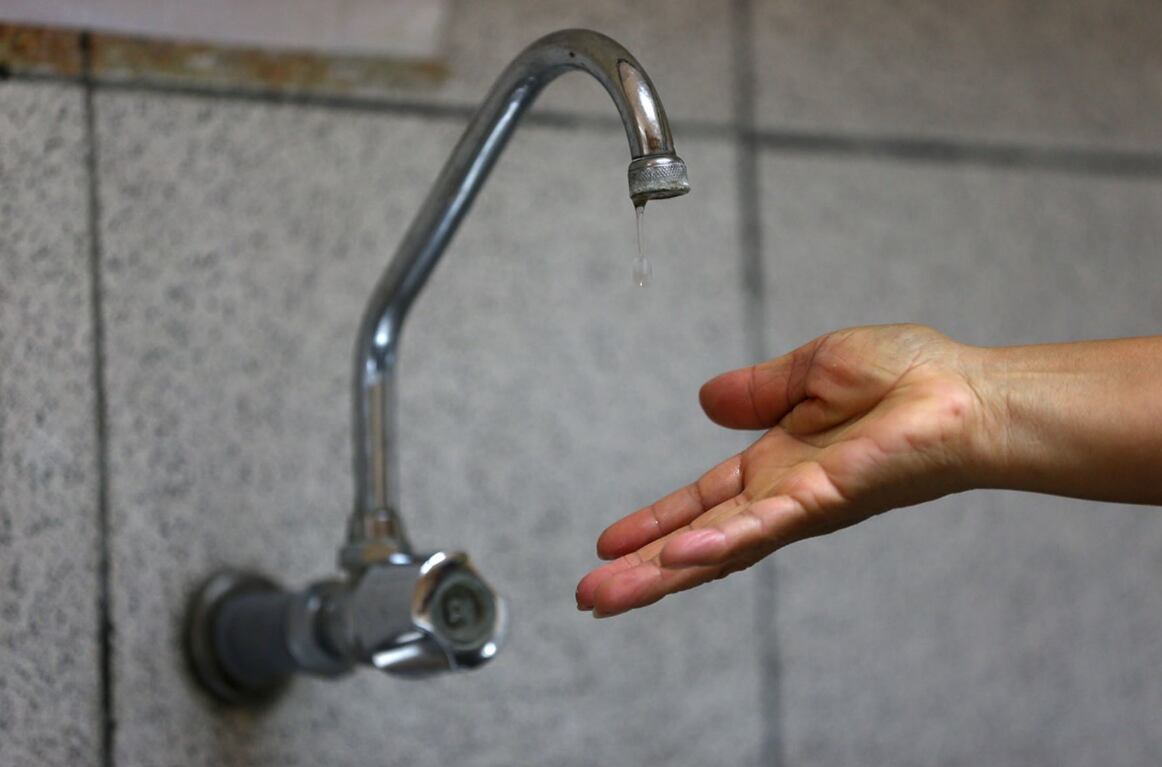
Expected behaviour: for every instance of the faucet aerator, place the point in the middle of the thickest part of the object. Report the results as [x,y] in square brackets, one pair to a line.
[657,177]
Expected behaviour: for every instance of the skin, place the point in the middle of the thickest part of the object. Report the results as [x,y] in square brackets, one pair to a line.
[865,420]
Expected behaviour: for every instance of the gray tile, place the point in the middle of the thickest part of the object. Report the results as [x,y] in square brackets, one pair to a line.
[988,257]
[1085,72]
[49,711]
[542,396]
[994,628]
[483,37]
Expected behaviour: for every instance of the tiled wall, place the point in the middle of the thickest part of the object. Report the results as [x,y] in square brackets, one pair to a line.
[180,280]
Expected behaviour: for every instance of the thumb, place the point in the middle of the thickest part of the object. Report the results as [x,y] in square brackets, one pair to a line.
[757,397]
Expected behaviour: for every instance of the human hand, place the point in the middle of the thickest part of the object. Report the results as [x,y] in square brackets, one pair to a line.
[860,421]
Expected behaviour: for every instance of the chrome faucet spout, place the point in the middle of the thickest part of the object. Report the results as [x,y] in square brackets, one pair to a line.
[395,610]
[655,172]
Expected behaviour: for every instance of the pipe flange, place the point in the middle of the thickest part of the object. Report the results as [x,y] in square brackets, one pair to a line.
[201,653]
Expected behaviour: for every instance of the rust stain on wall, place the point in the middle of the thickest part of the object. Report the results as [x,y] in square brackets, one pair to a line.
[36,50]
[123,58]
[118,57]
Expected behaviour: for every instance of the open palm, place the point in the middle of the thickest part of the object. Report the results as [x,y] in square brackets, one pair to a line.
[860,421]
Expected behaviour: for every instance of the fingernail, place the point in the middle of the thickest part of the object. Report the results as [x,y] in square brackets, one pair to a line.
[599,615]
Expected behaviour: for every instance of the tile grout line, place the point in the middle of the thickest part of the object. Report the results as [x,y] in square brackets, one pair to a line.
[1119,163]
[747,149]
[1110,162]
[104,556]
[747,177]
[398,106]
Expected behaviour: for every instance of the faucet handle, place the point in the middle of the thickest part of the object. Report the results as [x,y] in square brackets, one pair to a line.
[410,616]
[419,616]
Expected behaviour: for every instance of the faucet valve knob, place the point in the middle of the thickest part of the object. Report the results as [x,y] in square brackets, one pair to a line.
[432,614]
[408,616]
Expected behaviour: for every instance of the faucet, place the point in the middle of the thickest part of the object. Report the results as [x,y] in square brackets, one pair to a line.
[392,609]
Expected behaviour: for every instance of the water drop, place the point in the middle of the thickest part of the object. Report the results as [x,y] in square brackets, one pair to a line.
[642,270]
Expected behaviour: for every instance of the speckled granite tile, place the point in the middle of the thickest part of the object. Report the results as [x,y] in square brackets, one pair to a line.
[685,45]
[49,709]
[543,395]
[1084,72]
[986,628]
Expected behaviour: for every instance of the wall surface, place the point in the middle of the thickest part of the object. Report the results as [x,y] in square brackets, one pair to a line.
[411,28]
[181,274]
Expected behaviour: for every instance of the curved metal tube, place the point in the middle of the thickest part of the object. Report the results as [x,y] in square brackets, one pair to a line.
[399,612]
[655,172]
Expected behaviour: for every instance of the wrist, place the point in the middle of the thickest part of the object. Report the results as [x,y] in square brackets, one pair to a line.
[992,446]
[1079,419]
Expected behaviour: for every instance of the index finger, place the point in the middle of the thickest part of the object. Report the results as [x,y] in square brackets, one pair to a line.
[675,510]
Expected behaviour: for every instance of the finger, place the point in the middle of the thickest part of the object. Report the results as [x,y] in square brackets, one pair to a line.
[814,415]
[812,498]
[672,512]
[757,397]
[587,588]
[645,584]
[765,525]
[648,554]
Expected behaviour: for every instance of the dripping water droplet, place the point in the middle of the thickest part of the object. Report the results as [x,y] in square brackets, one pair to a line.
[642,270]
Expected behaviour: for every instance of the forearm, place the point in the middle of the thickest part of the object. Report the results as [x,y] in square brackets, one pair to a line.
[1080,419]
